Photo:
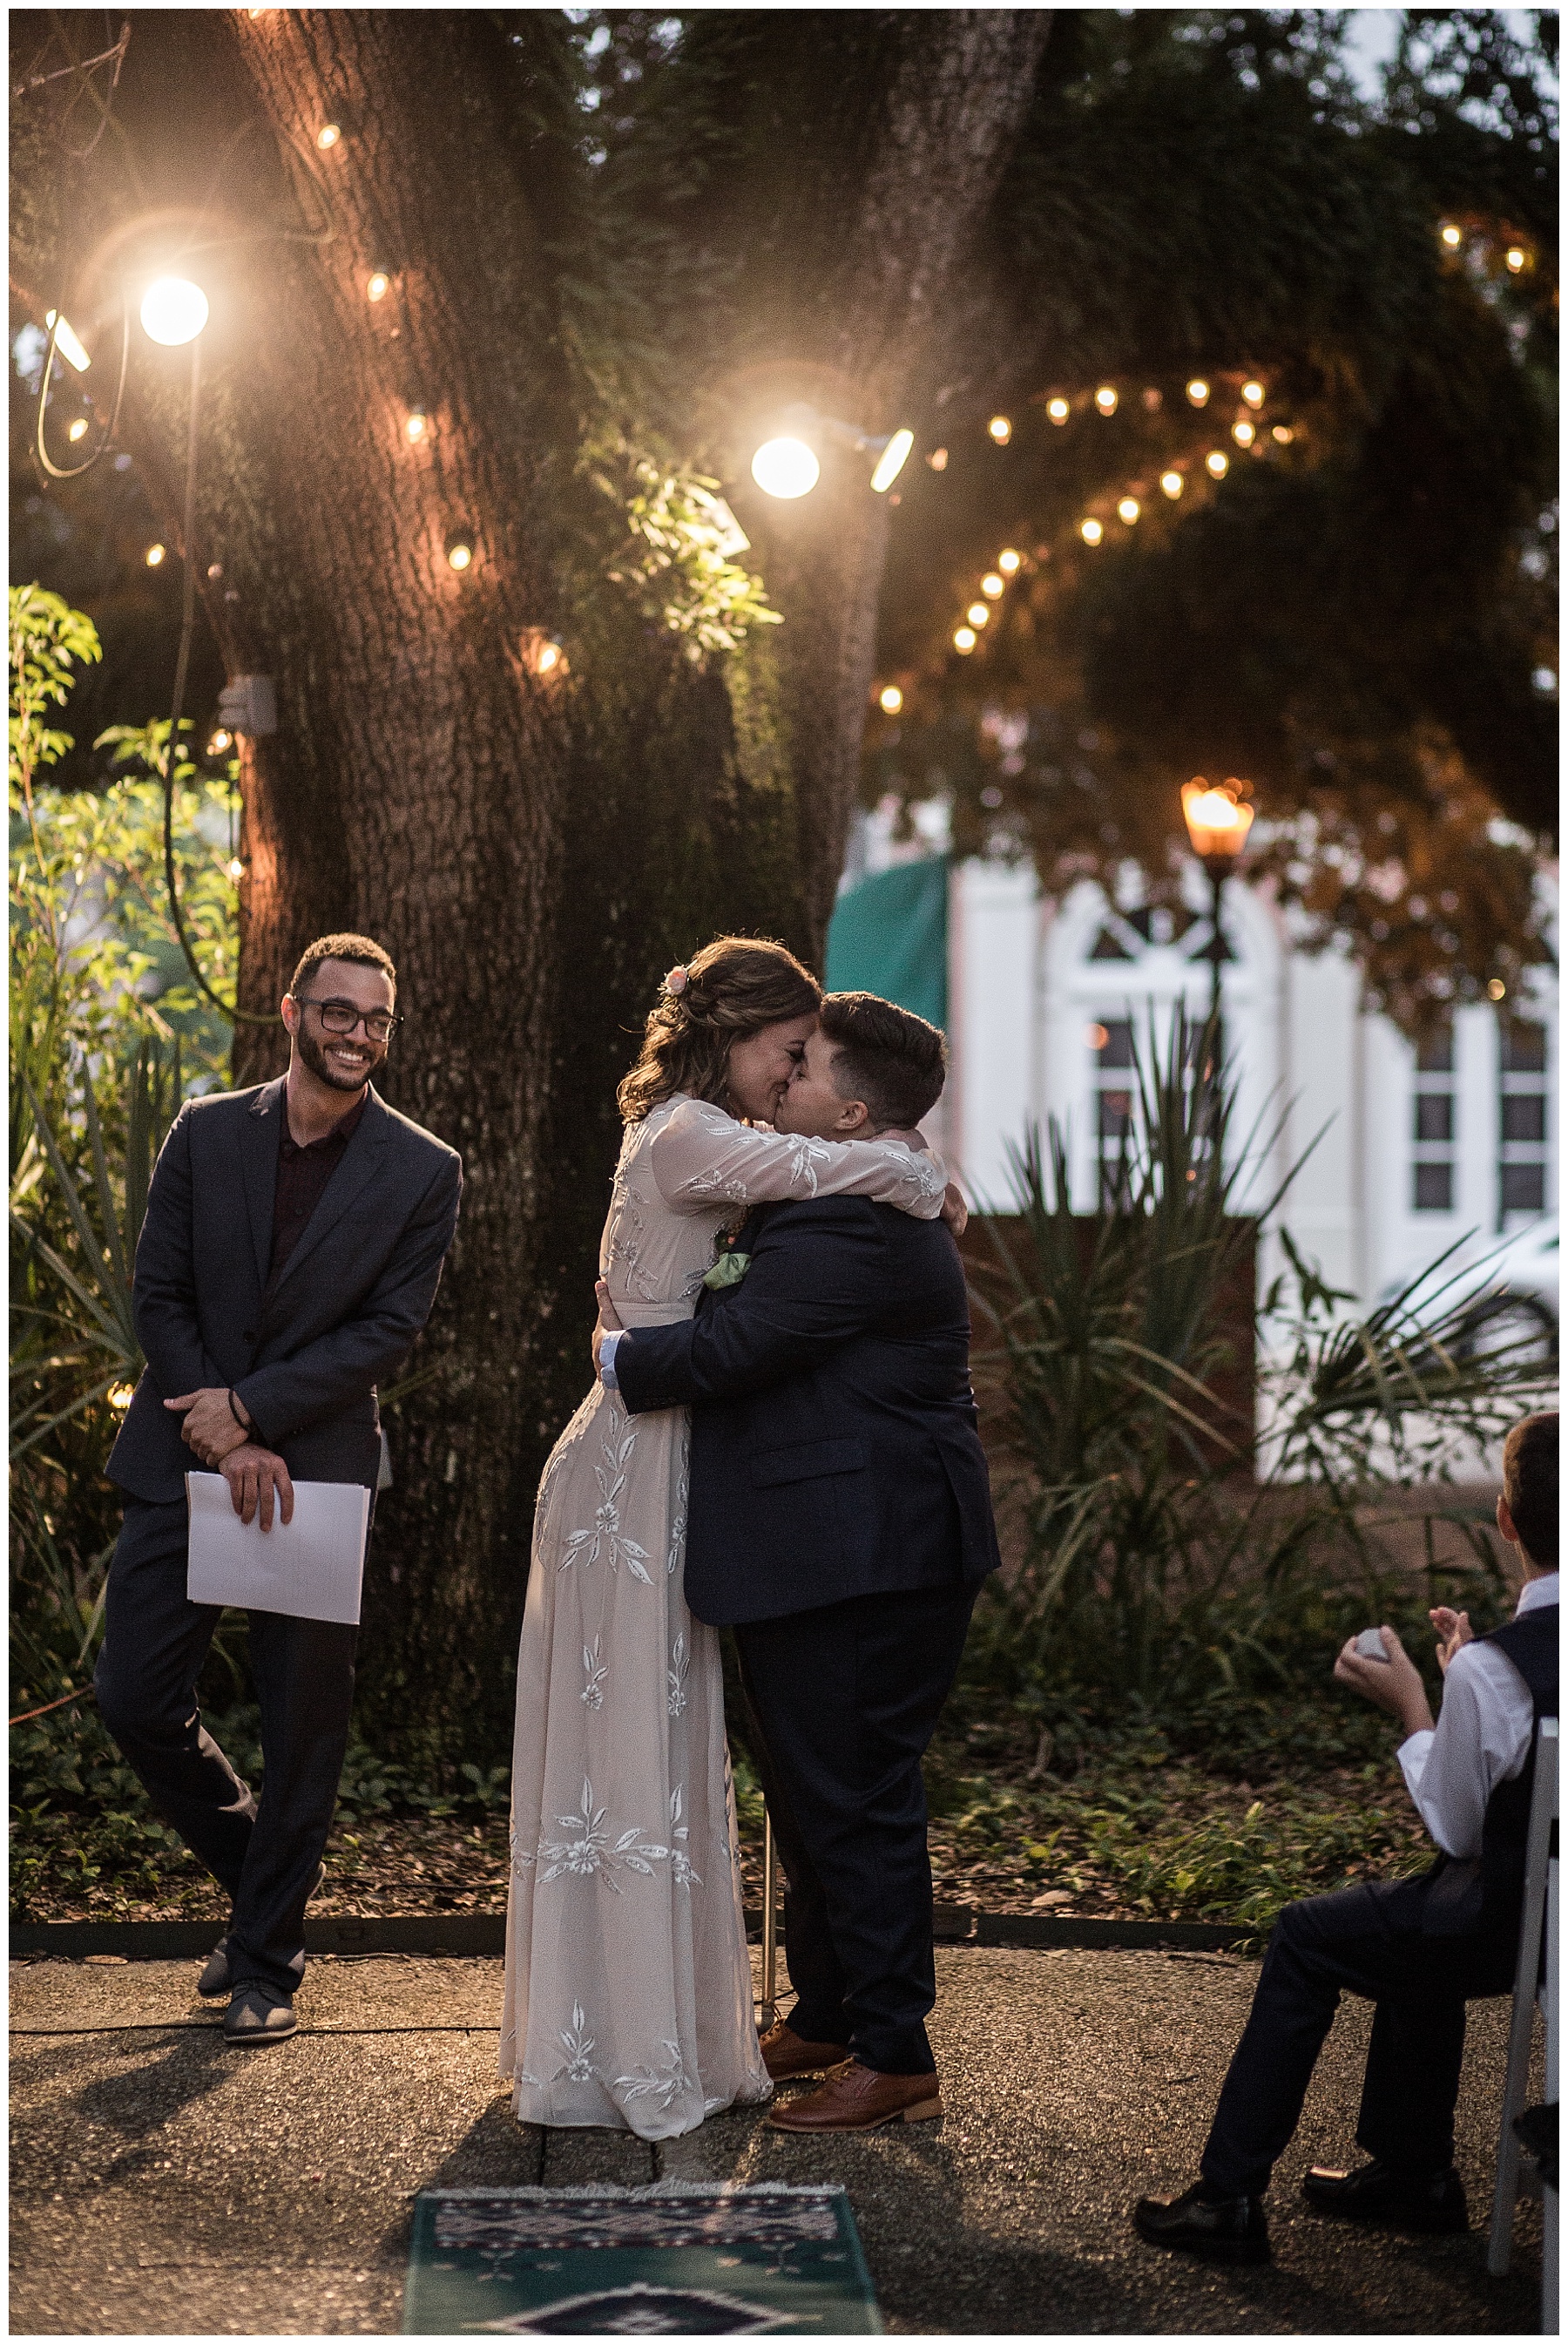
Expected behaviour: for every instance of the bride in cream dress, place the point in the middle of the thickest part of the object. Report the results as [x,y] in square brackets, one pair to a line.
[629,1984]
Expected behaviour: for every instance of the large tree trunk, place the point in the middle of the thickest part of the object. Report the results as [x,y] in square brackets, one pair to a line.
[530,849]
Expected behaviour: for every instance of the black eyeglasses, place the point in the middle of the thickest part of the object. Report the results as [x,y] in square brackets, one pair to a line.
[343,1016]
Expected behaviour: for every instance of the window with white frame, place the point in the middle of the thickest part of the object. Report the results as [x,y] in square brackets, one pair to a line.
[1434,1132]
[1521,1119]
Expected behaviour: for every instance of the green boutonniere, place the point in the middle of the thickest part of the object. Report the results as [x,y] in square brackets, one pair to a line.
[728,1270]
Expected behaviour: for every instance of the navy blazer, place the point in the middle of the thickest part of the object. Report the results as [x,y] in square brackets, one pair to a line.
[834,1447]
[305,1359]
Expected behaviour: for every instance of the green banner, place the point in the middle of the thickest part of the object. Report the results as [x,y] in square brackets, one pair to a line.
[889,935]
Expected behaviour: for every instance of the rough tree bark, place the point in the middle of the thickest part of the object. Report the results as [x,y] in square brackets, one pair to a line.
[530,849]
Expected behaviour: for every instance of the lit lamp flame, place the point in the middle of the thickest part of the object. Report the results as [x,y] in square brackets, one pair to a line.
[1218,462]
[891,461]
[1198,391]
[1453,237]
[993,584]
[1105,400]
[977,614]
[78,429]
[1008,562]
[964,639]
[890,700]
[1217,818]
[327,136]
[1090,531]
[1243,433]
[153,555]
[785,468]
[1000,429]
[173,311]
[1129,510]
[1252,392]
[376,285]
[1057,409]
[1172,484]
[416,426]
[1514,259]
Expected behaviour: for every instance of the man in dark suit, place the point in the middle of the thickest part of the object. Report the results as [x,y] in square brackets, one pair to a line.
[290,1253]
[840,1522]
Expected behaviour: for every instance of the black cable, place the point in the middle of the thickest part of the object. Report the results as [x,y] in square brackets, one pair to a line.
[187,628]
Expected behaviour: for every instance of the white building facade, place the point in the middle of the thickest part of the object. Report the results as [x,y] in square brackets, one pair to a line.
[1406,1153]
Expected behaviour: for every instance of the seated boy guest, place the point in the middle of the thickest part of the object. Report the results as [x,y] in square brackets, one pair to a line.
[1418,1949]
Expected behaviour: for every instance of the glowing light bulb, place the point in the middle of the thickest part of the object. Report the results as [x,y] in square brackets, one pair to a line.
[785,468]
[78,429]
[1252,392]
[1000,429]
[1105,400]
[891,461]
[938,460]
[1198,391]
[173,310]
[890,700]
[327,136]
[1218,462]
[549,658]
[1453,237]
[964,639]
[1172,484]
[978,615]
[377,285]
[460,552]
[219,744]
[415,429]
[1496,988]
[1090,531]
[65,341]
[1008,562]
[1242,433]
[1283,434]
[235,869]
[1514,259]
[1129,510]
[153,555]
[1057,409]
[991,584]
[120,1397]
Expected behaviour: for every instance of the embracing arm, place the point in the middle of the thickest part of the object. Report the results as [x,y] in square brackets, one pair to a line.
[291,1395]
[817,1280]
[703,1157]
[164,1288]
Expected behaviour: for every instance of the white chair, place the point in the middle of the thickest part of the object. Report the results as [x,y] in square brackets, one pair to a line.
[1537,1920]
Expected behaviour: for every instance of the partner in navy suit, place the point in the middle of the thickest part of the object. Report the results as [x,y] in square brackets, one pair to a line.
[290,1252]
[840,1522]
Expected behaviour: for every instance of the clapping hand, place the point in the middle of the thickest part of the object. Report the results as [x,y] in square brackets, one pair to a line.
[1453,1629]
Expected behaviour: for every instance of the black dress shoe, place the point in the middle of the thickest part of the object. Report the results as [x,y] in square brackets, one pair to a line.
[1228,2230]
[215,1979]
[1385,2194]
[258,2014]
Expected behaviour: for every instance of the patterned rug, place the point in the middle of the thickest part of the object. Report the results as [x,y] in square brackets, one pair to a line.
[680,2258]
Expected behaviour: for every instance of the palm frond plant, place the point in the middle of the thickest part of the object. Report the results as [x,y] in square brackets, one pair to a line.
[1172,1532]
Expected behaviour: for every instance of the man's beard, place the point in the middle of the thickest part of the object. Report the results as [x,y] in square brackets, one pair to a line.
[336,1078]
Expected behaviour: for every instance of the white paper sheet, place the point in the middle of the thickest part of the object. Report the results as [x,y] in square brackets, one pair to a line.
[309,1568]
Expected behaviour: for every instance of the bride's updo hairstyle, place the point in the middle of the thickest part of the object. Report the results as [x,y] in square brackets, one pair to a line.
[732,989]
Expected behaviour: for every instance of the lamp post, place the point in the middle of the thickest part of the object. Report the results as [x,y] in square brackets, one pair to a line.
[1218,820]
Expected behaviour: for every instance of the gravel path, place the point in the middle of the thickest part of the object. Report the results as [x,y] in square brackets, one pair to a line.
[163,2185]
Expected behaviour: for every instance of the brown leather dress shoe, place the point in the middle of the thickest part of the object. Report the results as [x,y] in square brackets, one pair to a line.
[854,2098]
[786,2054]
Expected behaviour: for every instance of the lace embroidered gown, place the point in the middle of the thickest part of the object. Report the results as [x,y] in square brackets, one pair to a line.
[629,1984]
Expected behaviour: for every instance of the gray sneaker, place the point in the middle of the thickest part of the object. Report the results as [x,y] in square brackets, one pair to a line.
[215,1980]
[258,2014]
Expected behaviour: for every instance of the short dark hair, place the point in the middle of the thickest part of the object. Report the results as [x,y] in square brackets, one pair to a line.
[1530,1485]
[343,946]
[888,1056]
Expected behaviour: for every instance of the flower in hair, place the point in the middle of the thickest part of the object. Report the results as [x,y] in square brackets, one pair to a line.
[675,982]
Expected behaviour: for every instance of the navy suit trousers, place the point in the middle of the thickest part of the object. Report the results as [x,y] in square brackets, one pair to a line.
[1367,1939]
[844,1700]
[265,1853]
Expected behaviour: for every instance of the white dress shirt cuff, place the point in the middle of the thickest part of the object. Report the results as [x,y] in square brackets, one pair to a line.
[1412,1757]
[606,1351]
